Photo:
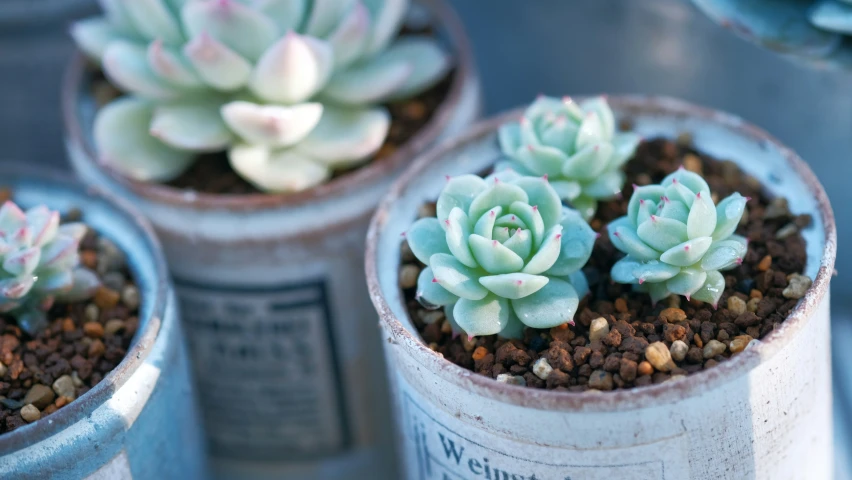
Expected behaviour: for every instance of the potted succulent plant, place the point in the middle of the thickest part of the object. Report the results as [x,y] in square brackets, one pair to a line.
[654,349]
[258,137]
[94,378]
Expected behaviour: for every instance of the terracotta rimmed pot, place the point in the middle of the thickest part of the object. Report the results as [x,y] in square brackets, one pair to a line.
[283,337]
[141,420]
[765,413]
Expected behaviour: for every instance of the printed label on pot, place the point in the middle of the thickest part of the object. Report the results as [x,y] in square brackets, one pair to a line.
[443,447]
[266,370]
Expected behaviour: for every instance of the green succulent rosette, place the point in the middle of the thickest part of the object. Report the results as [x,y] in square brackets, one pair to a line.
[576,146]
[502,253]
[677,240]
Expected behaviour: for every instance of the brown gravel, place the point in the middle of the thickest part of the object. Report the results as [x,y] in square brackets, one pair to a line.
[72,355]
[637,349]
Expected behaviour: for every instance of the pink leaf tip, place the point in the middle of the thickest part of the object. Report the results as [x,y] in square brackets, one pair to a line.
[653,218]
[447,221]
[448,177]
[641,281]
[544,177]
[674,180]
[470,338]
[434,280]
[686,247]
[403,234]
[558,236]
[598,235]
[519,282]
[535,208]
[739,261]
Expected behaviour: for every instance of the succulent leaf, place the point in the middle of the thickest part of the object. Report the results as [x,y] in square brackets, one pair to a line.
[677,240]
[430,292]
[191,126]
[493,249]
[220,67]
[271,125]
[154,20]
[293,69]
[243,29]
[126,65]
[283,170]
[121,132]
[346,136]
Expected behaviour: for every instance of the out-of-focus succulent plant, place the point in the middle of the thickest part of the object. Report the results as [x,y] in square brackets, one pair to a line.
[576,146]
[676,240]
[504,252]
[290,87]
[40,263]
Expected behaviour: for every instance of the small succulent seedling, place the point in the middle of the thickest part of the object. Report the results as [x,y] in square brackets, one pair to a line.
[576,146]
[291,88]
[502,252]
[40,263]
[676,240]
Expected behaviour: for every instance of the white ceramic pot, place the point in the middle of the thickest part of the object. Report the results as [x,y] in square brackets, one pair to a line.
[141,421]
[282,334]
[764,414]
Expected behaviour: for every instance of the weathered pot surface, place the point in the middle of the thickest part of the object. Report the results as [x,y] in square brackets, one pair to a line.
[140,421]
[280,327]
[757,415]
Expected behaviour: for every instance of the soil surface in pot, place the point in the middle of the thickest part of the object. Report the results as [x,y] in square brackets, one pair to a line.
[82,344]
[759,295]
[211,173]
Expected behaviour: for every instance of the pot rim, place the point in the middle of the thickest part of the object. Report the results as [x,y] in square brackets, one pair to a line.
[618,400]
[143,340]
[464,71]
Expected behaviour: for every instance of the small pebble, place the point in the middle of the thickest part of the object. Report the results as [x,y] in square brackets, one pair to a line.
[752,304]
[426,210]
[692,163]
[778,208]
[430,317]
[600,380]
[68,325]
[93,329]
[797,287]
[3,370]
[541,368]
[684,139]
[113,326]
[39,395]
[408,276]
[739,343]
[736,305]
[30,413]
[446,327]
[64,387]
[673,301]
[61,402]
[698,341]
[113,280]
[480,353]
[659,356]
[678,350]
[786,231]
[714,347]
[130,296]
[78,382]
[106,298]
[755,294]
[407,254]
[673,315]
[92,312]
[96,349]
[645,368]
[620,305]
[765,263]
[598,329]
[511,379]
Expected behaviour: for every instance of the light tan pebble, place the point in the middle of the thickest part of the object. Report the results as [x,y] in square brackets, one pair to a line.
[30,413]
[659,356]
[541,368]
[468,343]
[739,343]
[64,387]
[736,305]
[697,340]
[598,329]
[752,304]
[408,276]
[797,286]
[130,296]
[678,350]
[673,315]
[426,210]
[692,163]
[432,316]
[113,326]
[601,380]
[765,263]
[713,348]
[777,208]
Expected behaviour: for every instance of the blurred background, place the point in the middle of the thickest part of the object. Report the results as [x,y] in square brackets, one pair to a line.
[548,46]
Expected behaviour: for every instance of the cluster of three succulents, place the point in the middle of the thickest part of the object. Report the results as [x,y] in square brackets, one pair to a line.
[503,252]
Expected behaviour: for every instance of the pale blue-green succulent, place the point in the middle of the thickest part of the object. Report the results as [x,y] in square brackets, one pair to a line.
[576,146]
[291,88]
[503,253]
[677,241]
[40,264]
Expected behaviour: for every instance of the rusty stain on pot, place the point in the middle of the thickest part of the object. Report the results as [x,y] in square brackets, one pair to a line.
[671,391]
[75,82]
